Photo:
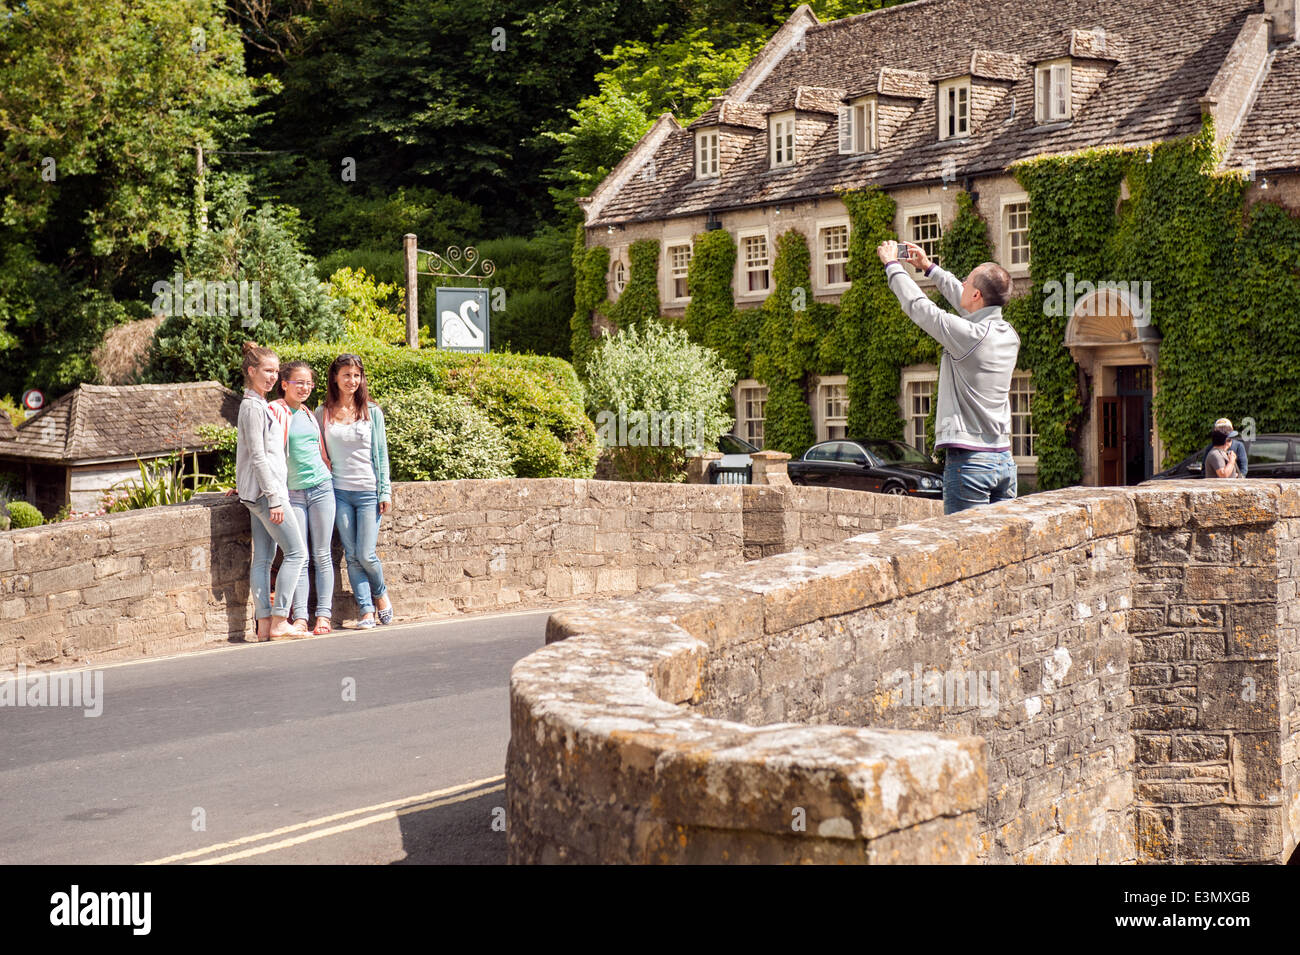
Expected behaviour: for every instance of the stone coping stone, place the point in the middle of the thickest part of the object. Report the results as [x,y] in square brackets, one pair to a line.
[609,701]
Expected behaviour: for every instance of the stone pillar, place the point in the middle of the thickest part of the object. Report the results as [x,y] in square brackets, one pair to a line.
[697,466]
[769,468]
[1209,725]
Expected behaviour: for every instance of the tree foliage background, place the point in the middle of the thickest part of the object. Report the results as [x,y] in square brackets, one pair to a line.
[343,124]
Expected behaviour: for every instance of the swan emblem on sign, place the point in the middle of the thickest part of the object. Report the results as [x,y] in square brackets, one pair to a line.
[459,331]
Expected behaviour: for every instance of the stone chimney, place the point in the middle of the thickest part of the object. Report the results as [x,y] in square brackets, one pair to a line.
[1286,20]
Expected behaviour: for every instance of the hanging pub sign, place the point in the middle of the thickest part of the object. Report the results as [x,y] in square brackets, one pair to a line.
[461,314]
[463,319]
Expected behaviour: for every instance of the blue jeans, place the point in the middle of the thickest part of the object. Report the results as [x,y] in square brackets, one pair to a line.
[357,518]
[266,536]
[971,478]
[314,509]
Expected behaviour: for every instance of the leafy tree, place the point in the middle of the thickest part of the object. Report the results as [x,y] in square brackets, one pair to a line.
[262,249]
[110,99]
[453,97]
[101,108]
[372,309]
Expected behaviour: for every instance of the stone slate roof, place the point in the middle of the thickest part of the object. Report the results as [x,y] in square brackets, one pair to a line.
[811,99]
[992,65]
[121,422]
[1169,53]
[1270,137]
[729,112]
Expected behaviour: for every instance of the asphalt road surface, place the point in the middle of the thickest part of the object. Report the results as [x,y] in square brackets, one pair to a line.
[384,746]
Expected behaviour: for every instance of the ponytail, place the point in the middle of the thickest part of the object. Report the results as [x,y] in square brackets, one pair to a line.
[254,355]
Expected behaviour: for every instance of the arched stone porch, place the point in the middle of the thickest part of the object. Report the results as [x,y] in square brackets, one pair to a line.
[1110,337]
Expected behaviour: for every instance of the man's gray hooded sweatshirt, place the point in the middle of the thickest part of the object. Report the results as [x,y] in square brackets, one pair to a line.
[979,358]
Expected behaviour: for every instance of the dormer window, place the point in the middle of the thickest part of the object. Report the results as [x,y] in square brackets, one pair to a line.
[781,135]
[706,154]
[954,108]
[1052,92]
[857,125]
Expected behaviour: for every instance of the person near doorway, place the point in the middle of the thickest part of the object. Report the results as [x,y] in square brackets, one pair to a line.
[1221,462]
[1235,445]
[973,417]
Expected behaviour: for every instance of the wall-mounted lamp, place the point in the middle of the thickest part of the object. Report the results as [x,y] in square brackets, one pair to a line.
[713,223]
[1263,183]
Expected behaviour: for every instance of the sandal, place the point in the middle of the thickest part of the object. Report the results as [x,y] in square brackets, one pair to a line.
[322,628]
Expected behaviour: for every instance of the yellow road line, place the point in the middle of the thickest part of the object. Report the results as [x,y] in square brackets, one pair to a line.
[347,826]
[296,827]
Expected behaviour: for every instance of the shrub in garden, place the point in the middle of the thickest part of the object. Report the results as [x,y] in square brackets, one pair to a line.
[639,377]
[22,514]
[434,436]
[536,401]
[224,443]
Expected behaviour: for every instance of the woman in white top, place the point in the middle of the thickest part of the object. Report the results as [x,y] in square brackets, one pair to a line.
[260,480]
[358,453]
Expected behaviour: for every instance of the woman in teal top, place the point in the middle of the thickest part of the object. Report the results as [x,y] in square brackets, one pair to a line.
[311,494]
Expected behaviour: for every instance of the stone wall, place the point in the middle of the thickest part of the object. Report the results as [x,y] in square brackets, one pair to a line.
[1031,626]
[1095,745]
[1214,628]
[173,578]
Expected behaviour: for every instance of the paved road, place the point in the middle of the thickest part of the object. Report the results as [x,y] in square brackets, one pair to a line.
[260,745]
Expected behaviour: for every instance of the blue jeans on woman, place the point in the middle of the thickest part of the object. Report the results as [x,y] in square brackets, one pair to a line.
[313,507]
[266,537]
[357,518]
[971,478]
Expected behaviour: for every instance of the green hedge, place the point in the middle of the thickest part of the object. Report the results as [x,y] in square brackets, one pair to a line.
[434,436]
[537,401]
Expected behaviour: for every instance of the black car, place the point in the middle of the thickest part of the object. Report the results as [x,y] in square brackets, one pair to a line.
[888,467]
[1267,456]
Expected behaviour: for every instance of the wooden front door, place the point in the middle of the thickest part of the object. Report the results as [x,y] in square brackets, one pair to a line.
[1110,459]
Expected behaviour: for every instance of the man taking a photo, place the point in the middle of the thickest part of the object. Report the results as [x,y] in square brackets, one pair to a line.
[973,419]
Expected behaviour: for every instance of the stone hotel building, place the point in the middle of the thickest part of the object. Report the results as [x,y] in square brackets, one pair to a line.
[934,97]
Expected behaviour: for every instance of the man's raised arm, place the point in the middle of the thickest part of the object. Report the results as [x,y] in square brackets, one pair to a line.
[956,335]
[949,286]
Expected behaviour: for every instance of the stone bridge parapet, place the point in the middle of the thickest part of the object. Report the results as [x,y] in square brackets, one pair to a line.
[173,578]
[1081,676]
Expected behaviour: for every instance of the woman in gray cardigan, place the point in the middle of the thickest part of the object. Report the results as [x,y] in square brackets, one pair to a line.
[260,481]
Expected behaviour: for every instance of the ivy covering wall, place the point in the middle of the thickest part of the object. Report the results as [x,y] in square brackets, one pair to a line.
[590,268]
[639,302]
[1224,283]
[1225,298]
